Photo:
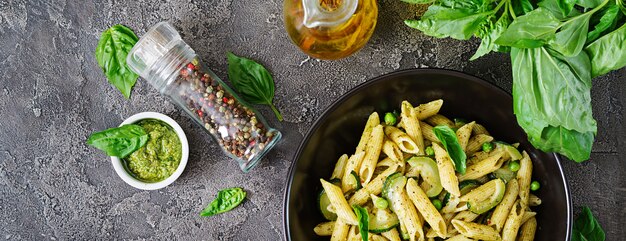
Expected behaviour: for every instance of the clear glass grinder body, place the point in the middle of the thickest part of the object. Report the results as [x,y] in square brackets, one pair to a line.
[163,59]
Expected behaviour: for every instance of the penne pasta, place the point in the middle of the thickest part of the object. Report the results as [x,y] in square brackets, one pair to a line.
[500,214]
[340,231]
[466,216]
[476,231]
[533,200]
[374,237]
[463,134]
[339,203]
[513,221]
[392,235]
[484,167]
[428,133]
[524,175]
[411,125]
[339,167]
[479,130]
[447,175]
[459,237]
[374,187]
[324,229]
[372,153]
[476,143]
[437,120]
[372,121]
[429,109]
[426,208]
[392,151]
[401,139]
[528,229]
[406,212]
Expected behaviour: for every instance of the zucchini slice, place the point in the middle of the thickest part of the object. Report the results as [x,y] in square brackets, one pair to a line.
[323,203]
[383,221]
[354,181]
[468,185]
[485,197]
[509,150]
[388,181]
[504,173]
[428,171]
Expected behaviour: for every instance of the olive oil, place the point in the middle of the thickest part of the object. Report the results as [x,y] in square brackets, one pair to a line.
[330,29]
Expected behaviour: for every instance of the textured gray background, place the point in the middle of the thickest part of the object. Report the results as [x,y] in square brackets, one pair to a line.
[53,95]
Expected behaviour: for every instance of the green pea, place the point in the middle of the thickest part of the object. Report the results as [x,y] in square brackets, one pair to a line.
[514,166]
[390,119]
[534,186]
[437,203]
[381,203]
[487,146]
[430,151]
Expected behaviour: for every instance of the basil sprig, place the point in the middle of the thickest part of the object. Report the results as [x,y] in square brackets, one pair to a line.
[225,201]
[363,217]
[120,141]
[450,142]
[587,228]
[556,46]
[111,52]
[252,81]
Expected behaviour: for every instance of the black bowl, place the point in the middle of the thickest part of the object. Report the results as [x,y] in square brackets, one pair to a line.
[338,131]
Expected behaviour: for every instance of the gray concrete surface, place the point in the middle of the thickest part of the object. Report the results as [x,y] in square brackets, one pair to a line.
[53,95]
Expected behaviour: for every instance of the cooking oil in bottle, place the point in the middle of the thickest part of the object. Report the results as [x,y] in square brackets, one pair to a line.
[330,29]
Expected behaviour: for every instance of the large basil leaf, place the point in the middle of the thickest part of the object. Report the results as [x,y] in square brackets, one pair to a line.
[531,30]
[587,227]
[608,18]
[111,52]
[489,34]
[120,141]
[571,38]
[252,81]
[454,19]
[363,217]
[450,142]
[566,6]
[225,201]
[553,7]
[589,3]
[552,100]
[607,53]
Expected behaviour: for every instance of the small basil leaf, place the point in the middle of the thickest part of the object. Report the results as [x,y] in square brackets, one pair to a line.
[120,141]
[607,52]
[566,6]
[587,227]
[553,7]
[451,144]
[225,201]
[460,21]
[572,36]
[363,217]
[608,20]
[521,7]
[111,52]
[531,30]
[252,81]
[489,34]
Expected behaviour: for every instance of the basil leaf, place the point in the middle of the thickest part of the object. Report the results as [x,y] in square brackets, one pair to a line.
[587,227]
[566,6]
[531,30]
[552,100]
[454,19]
[489,34]
[588,3]
[553,7]
[525,6]
[120,141]
[607,53]
[111,52]
[225,201]
[608,19]
[252,81]
[363,217]
[451,144]
[572,36]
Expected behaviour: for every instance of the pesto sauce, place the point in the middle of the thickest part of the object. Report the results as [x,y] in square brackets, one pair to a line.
[159,158]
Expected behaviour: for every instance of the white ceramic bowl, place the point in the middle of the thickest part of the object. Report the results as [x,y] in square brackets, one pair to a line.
[121,171]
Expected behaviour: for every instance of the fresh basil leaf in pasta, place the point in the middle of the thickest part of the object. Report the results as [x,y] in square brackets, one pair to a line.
[120,141]
[363,217]
[226,200]
[450,142]
[587,227]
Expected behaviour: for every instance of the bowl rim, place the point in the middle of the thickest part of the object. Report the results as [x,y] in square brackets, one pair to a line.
[371,81]
[130,180]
